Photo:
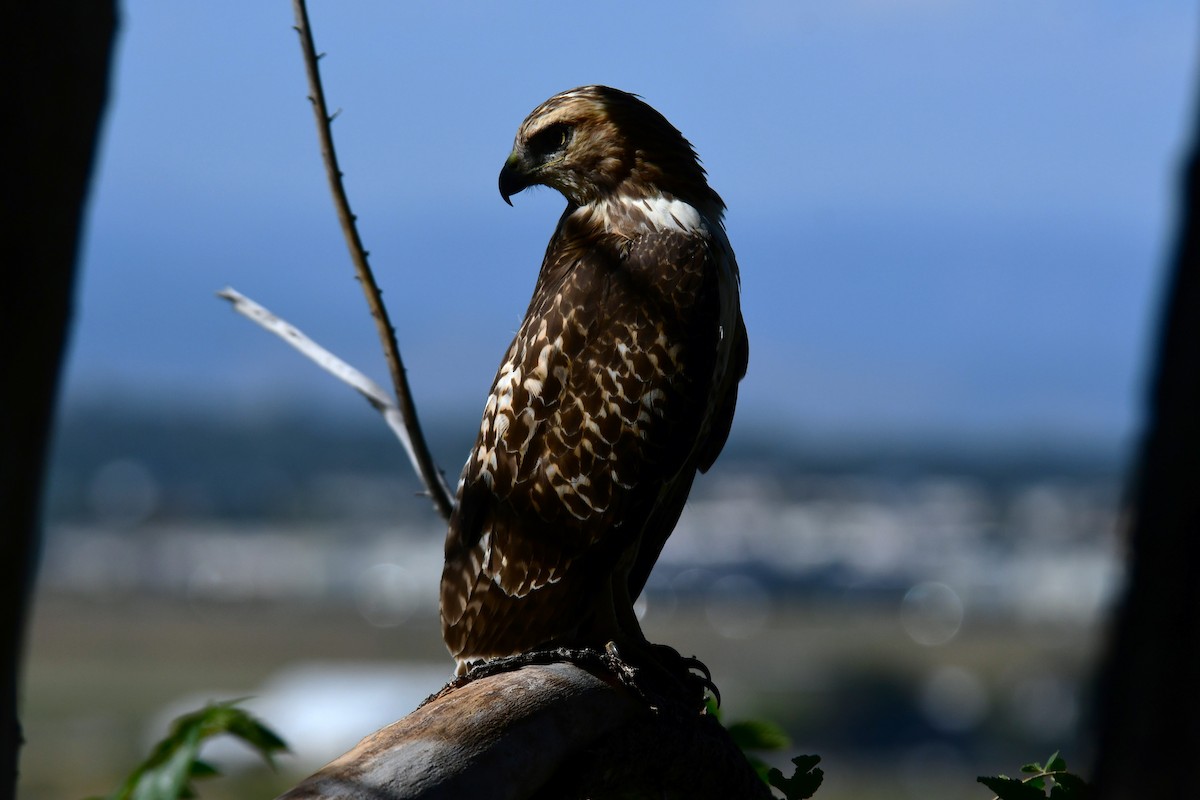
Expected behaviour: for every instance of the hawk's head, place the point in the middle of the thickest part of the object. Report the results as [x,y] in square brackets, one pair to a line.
[594,143]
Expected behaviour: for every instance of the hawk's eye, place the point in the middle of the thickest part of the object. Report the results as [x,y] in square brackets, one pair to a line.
[549,139]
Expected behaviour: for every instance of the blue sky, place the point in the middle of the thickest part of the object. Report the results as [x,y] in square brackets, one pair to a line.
[951,217]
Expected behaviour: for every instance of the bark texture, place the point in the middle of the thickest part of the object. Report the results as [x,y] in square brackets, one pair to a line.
[559,730]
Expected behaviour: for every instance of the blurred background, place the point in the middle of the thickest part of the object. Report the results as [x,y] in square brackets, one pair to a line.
[951,220]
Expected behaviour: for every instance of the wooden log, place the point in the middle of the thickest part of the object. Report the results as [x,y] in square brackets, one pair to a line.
[554,730]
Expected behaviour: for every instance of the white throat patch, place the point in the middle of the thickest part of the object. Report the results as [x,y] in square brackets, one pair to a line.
[666,214]
[650,214]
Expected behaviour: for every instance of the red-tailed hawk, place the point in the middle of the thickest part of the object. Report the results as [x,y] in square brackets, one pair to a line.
[620,384]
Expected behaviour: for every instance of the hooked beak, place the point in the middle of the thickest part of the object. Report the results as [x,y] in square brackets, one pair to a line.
[513,178]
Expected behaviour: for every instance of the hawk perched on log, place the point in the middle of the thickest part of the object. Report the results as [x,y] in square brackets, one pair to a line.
[620,384]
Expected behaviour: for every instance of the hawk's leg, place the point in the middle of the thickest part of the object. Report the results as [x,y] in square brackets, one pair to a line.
[661,665]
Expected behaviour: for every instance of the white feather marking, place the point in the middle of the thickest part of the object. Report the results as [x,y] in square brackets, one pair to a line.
[656,213]
[508,379]
[478,556]
[666,213]
[502,424]
[615,377]
[529,420]
[542,370]
[653,396]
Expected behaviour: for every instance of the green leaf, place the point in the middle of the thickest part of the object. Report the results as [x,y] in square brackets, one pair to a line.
[166,777]
[1068,786]
[203,769]
[1034,767]
[1055,763]
[1011,788]
[167,773]
[261,738]
[758,735]
[804,781]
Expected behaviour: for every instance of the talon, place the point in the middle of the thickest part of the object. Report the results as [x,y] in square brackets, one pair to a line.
[716,693]
[697,664]
[706,682]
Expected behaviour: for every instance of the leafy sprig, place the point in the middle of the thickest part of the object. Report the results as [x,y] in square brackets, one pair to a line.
[760,735]
[805,779]
[175,762]
[1051,777]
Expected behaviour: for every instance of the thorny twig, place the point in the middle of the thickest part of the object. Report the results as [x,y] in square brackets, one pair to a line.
[413,438]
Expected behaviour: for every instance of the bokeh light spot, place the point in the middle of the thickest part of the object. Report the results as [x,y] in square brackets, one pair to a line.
[931,613]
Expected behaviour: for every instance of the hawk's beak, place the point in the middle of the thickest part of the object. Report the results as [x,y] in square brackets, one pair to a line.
[512,178]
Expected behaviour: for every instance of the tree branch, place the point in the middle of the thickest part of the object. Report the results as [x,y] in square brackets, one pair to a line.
[376,395]
[560,730]
[443,500]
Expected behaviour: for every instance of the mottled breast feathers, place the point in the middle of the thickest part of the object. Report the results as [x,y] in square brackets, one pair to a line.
[620,383]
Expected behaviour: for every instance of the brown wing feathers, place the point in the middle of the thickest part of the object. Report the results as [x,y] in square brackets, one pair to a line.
[605,405]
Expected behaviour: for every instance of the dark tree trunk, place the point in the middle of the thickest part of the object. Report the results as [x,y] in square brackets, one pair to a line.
[1149,692]
[56,56]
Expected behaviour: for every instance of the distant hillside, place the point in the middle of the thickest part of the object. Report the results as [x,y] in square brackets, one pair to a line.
[287,463]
